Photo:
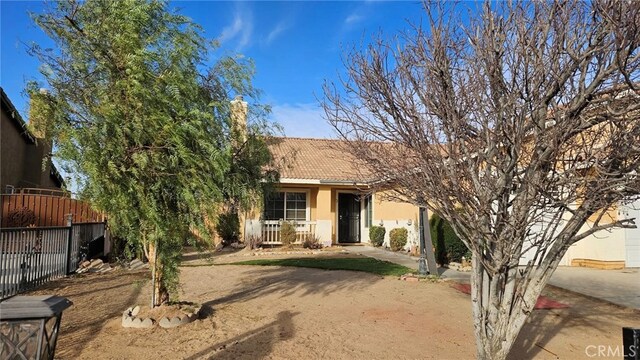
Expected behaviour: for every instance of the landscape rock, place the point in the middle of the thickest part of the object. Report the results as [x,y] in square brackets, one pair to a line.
[95,263]
[164,322]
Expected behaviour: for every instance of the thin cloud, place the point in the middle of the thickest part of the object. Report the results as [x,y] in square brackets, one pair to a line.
[302,120]
[353,18]
[276,32]
[241,29]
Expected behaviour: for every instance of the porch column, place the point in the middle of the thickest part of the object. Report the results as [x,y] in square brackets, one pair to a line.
[324,214]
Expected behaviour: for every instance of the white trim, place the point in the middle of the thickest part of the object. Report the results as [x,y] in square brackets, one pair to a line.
[297,181]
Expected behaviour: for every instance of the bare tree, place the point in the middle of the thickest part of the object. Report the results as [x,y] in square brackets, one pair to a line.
[518,124]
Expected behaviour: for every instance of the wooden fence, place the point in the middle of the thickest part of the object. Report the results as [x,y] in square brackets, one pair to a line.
[21,210]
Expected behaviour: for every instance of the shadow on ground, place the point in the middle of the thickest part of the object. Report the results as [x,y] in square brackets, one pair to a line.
[543,325]
[285,281]
[258,281]
[255,344]
[82,323]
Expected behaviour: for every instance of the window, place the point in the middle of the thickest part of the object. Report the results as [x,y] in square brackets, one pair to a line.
[286,205]
[368,211]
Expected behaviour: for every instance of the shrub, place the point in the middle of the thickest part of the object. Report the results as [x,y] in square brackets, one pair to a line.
[448,245]
[376,235]
[253,241]
[398,238]
[228,227]
[312,242]
[287,233]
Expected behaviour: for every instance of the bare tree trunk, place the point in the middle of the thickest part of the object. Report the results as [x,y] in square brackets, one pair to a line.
[499,309]
[160,292]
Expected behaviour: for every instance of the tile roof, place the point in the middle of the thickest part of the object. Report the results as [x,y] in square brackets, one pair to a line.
[317,159]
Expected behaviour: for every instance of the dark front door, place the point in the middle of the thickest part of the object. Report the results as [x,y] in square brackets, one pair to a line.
[348,218]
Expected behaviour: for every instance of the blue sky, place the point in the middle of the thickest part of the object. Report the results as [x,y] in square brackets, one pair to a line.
[295,47]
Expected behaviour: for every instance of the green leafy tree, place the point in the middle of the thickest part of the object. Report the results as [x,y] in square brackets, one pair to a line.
[248,176]
[139,109]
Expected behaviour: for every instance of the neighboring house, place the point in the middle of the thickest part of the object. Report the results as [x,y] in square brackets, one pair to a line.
[614,249]
[609,249]
[22,153]
[321,190]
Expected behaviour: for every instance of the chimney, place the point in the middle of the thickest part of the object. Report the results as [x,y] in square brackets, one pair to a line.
[239,112]
[37,117]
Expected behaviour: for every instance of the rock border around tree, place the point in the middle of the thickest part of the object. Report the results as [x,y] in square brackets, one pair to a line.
[129,319]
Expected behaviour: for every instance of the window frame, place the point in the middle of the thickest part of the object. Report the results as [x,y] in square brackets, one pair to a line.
[284,191]
[368,213]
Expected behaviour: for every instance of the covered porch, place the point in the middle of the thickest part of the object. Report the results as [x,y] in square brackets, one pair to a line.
[331,214]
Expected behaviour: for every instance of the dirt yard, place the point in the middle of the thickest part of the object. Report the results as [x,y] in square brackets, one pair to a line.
[296,313]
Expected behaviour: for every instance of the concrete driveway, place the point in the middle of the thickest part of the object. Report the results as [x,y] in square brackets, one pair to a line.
[620,287]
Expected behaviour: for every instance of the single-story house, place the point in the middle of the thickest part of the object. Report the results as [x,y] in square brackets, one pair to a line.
[322,192]
[325,193]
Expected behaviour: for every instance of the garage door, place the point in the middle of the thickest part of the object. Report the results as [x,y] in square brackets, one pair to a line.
[632,237]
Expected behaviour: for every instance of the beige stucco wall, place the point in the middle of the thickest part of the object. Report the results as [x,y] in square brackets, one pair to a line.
[323,200]
[384,209]
[395,214]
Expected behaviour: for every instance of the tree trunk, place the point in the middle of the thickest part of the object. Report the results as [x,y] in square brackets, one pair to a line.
[499,310]
[160,292]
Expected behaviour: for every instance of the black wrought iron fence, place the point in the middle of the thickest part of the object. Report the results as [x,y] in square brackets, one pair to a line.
[34,255]
[87,241]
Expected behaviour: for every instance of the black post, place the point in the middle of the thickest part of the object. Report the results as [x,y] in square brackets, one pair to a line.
[631,343]
[426,247]
[69,242]
[422,263]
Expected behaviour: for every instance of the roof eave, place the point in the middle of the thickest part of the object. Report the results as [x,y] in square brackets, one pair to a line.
[297,181]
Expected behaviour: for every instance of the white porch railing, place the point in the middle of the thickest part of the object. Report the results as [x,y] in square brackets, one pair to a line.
[271,231]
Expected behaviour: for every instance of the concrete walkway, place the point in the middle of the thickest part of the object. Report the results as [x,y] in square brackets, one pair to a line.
[620,287]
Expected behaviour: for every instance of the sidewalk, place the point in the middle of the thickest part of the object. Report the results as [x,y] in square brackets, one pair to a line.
[620,287]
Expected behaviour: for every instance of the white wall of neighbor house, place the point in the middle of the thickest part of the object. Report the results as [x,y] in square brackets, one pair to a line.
[632,236]
[619,245]
[602,246]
